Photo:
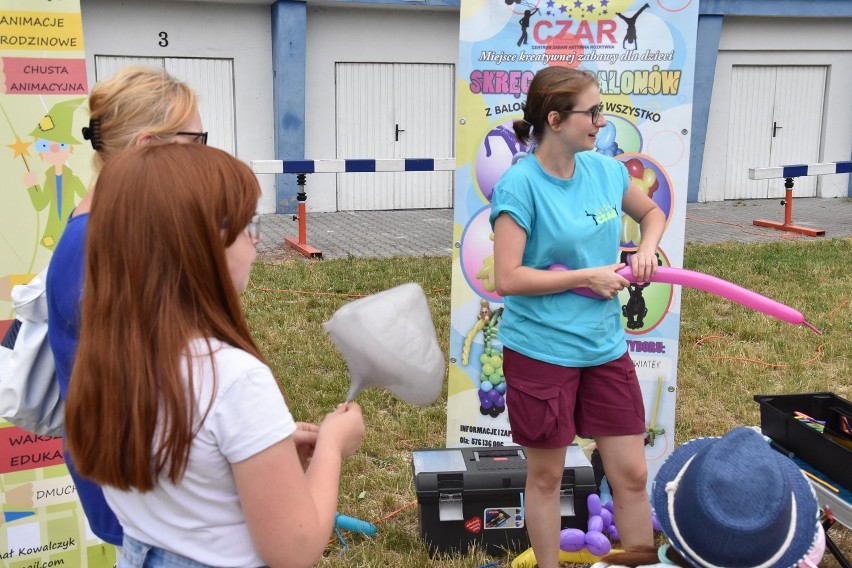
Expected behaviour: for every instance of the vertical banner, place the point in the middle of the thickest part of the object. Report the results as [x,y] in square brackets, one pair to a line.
[644,56]
[46,171]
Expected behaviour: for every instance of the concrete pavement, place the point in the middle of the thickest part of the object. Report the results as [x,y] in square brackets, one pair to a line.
[429,232]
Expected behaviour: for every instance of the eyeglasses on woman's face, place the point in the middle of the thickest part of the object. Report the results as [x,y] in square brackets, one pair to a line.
[252,229]
[595,112]
[198,137]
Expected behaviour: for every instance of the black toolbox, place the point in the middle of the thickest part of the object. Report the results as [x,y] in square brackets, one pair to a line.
[474,497]
[829,451]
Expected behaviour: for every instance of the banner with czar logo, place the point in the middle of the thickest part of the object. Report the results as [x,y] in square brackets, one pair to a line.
[643,54]
[47,169]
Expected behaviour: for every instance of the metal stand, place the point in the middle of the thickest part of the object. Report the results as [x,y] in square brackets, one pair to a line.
[788,216]
[302,216]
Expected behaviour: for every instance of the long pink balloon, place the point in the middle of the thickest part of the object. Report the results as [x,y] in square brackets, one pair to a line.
[723,288]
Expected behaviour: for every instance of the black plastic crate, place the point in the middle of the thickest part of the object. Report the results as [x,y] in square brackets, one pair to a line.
[824,451]
[472,497]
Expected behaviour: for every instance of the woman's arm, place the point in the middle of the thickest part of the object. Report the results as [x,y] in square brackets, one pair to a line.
[290,513]
[512,278]
[652,223]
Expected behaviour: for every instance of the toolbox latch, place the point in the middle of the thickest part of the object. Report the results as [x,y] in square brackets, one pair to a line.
[566,502]
[450,507]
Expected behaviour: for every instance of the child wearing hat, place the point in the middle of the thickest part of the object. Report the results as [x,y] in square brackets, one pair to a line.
[731,502]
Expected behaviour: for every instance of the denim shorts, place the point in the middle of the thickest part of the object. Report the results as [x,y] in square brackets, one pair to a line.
[136,554]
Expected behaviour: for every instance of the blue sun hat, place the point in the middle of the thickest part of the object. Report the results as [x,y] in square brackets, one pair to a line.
[734,502]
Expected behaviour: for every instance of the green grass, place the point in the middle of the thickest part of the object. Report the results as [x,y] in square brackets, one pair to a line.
[727,355]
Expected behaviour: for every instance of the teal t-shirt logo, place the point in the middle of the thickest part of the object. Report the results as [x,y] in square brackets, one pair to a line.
[603,214]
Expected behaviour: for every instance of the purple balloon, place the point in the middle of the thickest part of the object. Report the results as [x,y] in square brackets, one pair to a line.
[572,540]
[596,523]
[597,543]
[655,522]
[493,396]
[486,404]
[613,532]
[594,504]
[608,506]
[606,516]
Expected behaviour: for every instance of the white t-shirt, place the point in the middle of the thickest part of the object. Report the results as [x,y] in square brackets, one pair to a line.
[201,516]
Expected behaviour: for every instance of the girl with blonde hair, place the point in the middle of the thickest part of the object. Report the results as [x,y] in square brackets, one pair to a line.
[138,105]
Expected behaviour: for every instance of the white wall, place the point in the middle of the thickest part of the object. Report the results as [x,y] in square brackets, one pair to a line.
[780,41]
[198,29]
[362,35]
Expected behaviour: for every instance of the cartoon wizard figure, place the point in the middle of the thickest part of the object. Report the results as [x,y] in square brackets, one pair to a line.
[54,144]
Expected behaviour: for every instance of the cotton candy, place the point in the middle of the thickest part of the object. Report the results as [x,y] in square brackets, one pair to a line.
[388,340]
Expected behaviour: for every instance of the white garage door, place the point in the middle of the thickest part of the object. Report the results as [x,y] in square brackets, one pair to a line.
[394,110]
[775,120]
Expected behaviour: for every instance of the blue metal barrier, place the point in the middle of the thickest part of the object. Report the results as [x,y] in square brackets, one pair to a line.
[303,167]
[788,173]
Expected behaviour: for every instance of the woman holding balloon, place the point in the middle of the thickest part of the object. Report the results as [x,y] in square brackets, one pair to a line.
[565,356]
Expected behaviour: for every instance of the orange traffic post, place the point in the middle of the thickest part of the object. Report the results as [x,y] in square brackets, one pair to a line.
[301,244]
[788,225]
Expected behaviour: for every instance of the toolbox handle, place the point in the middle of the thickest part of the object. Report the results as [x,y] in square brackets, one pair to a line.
[499,453]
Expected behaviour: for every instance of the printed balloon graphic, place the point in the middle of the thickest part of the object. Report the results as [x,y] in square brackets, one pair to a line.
[618,136]
[476,255]
[495,155]
[605,141]
[651,178]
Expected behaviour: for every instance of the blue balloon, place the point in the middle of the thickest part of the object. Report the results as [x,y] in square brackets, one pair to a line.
[486,386]
[605,137]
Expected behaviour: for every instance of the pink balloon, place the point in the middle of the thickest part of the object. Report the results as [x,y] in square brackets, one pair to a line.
[582,291]
[572,540]
[723,288]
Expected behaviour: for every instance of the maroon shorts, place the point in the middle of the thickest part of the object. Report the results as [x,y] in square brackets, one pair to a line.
[549,404]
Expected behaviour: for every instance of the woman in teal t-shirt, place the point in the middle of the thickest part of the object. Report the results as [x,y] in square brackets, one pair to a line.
[565,357]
